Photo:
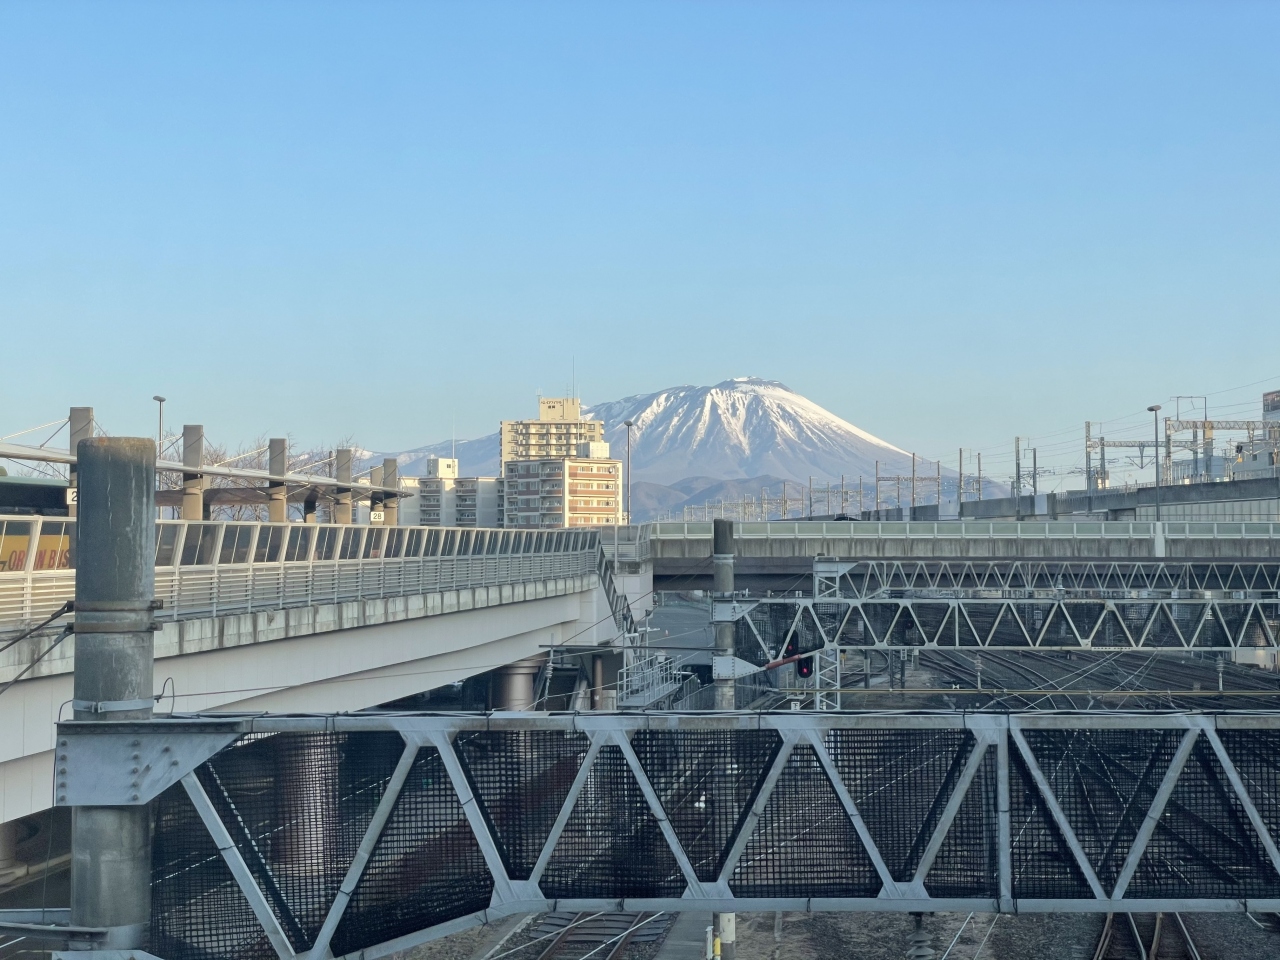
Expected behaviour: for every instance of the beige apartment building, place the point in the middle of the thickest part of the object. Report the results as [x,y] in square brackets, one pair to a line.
[556,433]
[573,491]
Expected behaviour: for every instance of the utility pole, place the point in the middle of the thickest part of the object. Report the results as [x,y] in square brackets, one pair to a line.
[1155,419]
[725,686]
[938,501]
[810,497]
[722,574]
[1088,460]
[629,424]
[960,482]
[1035,473]
[113,678]
[859,496]
[979,477]
[913,486]
[1017,478]
[877,505]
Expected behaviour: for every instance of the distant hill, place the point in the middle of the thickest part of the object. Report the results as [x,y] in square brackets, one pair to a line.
[692,444]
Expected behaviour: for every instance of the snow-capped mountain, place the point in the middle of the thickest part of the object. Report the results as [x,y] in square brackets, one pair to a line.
[741,428]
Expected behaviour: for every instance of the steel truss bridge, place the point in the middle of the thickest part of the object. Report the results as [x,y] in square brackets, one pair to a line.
[1015,605]
[362,835]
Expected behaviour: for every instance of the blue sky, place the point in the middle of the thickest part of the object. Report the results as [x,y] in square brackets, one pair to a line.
[947,222]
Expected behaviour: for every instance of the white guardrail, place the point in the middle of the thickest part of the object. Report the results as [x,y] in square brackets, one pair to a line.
[208,568]
[976,529]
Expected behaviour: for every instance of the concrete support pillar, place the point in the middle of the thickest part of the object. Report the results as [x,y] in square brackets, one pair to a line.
[193,507]
[342,471]
[81,423]
[277,492]
[515,683]
[375,497]
[390,478]
[722,588]
[10,835]
[727,924]
[115,584]
[597,682]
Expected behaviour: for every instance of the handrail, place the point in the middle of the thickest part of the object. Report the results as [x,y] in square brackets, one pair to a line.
[208,568]
[977,529]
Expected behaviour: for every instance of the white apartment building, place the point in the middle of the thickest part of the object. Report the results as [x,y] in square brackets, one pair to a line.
[447,500]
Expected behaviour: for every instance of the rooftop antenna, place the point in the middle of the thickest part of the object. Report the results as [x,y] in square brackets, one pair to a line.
[573,375]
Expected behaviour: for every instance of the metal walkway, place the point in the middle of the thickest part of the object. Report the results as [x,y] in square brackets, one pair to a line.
[362,835]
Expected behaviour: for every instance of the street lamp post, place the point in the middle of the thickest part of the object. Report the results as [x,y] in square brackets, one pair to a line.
[628,424]
[160,427]
[1155,419]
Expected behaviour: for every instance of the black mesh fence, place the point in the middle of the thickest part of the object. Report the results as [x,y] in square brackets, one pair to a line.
[804,844]
[746,645]
[1104,781]
[900,781]
[1203,844]
[612,845]
[425,869]
[1256,757]
[706,782]
[967,863]
[1041,863]
[297,806]
[197,910]
[522,778]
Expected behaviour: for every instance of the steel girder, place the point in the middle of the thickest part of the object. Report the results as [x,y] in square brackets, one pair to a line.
[363,835]
[772,628]
[867,579]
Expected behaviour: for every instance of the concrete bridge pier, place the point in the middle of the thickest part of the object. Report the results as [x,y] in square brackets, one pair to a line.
[514,684]
[114,654]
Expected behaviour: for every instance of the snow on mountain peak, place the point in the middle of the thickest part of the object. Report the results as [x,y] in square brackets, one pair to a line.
[739,428]
[743,427]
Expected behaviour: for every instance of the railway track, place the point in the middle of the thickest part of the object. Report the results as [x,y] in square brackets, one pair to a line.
[1146,936]
[600,936]
[1072,684]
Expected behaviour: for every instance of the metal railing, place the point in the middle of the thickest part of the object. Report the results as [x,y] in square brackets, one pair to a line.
[973,529]
[648,679]
[207,569]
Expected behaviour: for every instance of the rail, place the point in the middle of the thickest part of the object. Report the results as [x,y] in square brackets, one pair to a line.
[208,569]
